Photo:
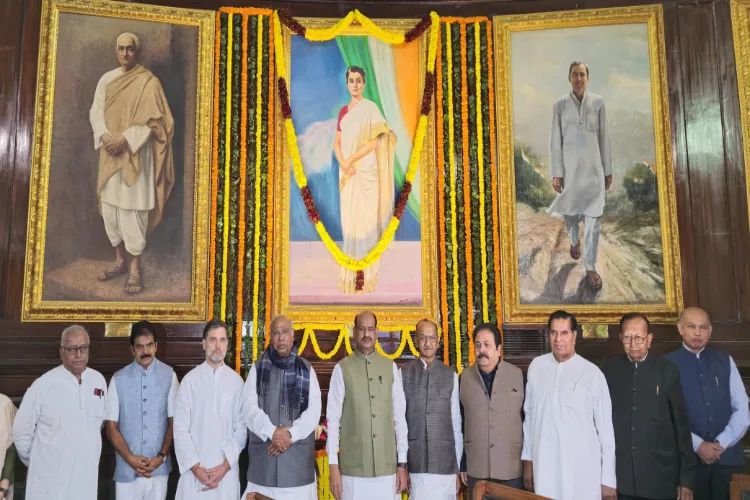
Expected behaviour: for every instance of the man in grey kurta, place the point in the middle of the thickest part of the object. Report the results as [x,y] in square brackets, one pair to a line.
[580,164]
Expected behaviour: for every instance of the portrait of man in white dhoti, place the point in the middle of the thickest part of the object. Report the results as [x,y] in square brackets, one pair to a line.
[588,225]
[365,146]
[133,129]
[126,180]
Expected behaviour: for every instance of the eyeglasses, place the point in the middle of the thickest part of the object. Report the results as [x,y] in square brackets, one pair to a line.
[428,339]
[83,349]
[629,340]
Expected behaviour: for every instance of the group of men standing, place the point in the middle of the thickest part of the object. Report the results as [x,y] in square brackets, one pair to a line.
[643,427]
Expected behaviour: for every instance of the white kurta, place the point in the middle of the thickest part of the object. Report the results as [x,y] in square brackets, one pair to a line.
[148,488]
[260,424]
[7,415]
[441,486]
[580,153]
[567,430]
[208,428]
[366,488]
[57,433]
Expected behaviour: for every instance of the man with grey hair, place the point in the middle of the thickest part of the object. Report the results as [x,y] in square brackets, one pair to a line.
[433,419]
[57,431]
[133,129]
[281,407]
[580,164]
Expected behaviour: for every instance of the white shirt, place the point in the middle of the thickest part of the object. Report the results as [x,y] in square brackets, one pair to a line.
[365,488]
[259,423]
[441,486]
[57,433]
[208,428]
[141,195]
[567,430]
[740,419]
[113,402]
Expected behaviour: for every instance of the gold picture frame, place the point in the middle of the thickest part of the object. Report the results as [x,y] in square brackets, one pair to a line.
[105,20]
[514,311]
[396,316]
[741,32]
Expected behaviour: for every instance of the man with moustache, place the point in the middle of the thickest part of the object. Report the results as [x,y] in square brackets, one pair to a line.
[140,407]
[654,455]
[209,433]
[568,440]
[281,407]
[58,429]
[716,403]
[491,404]
[366,409]
[433,418]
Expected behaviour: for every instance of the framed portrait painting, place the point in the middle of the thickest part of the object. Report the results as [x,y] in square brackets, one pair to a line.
[741,31]
[356,103]
[587,206]
[118,225]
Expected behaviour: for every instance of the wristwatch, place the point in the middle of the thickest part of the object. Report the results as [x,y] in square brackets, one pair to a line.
[402,465]
[4,492]
[163,457]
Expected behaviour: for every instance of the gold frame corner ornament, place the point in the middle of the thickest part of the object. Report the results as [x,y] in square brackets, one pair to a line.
[740,10]
[34,308]
[334,314]
[652,15]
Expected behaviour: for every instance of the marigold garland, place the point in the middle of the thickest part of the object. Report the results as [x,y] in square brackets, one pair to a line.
[467,193]
[441,206]
[215,163]
[493,173]
[269,192]
[243,170]
[480,164]
[227,167]
[344,337]
[390,230]
[452,163]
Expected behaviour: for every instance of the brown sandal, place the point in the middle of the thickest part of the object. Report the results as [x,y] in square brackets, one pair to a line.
[593,280]
[111,272]
[575,251]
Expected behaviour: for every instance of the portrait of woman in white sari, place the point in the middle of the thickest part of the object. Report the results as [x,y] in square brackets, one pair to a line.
[365,147]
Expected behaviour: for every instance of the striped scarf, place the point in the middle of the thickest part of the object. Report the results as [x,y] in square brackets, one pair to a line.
[295,389]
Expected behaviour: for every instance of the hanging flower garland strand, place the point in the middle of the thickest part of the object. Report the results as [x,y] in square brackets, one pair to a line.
[433,22]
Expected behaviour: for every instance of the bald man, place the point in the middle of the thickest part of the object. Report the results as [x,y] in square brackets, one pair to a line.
[716,404]
[433,417]
[281,407]
[367,409]
[133,129]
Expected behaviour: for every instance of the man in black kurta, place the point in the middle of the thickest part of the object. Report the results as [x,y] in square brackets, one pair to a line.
[653,450]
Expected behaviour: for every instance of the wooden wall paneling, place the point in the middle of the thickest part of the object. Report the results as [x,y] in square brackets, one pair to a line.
[22,165]
[679,153]
[734,160]
[712,241]
[10,58]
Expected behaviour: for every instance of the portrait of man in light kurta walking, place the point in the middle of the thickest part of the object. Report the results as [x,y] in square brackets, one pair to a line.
[585,156]
[365,146]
